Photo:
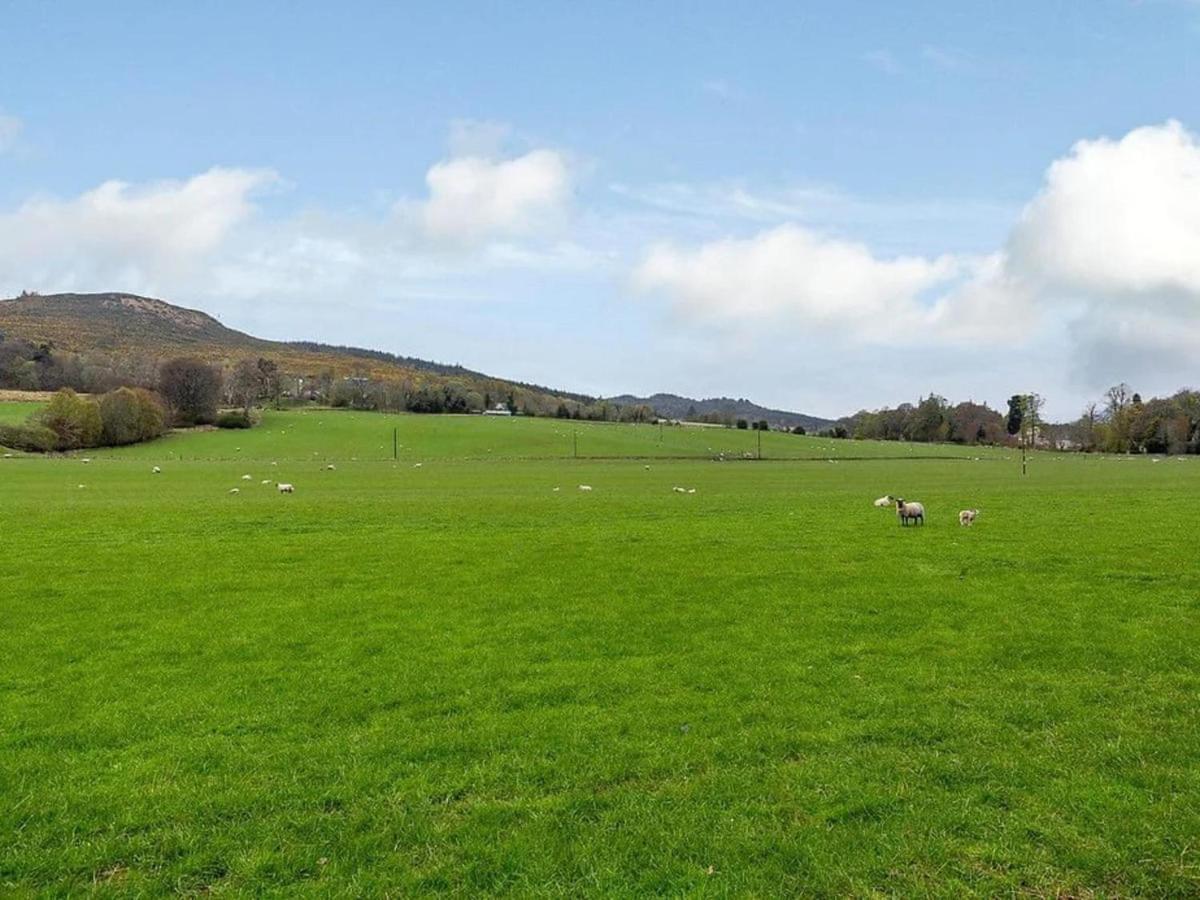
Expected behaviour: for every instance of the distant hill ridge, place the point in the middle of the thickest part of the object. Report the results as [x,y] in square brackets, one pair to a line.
[674,406]
[128,325]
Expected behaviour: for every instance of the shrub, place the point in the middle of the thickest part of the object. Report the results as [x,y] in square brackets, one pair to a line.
[742,424]
[130,415]
[28,436]
[234,419]
[74,420]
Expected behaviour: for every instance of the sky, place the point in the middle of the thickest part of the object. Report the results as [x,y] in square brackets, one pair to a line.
[822,206]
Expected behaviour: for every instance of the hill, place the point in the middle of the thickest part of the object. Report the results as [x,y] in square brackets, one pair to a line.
[135,329]
[127,326]
[673,406]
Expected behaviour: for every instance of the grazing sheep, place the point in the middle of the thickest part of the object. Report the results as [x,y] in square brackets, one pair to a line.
[585,487]
[556,490]
[85,460]
[679,490]
[416,465]
[885,501]
[910,512]
[265,481]
[967,516]
[285,488]
[156,470]
[234,491]
[330,467]
[247,478]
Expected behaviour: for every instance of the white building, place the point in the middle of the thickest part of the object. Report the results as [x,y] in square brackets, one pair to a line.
[498,410]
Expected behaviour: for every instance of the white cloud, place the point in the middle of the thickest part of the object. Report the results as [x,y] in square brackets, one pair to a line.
[117,232]
[474,198]
[1109,247]
[10,130]
[793,273]
[1117,219]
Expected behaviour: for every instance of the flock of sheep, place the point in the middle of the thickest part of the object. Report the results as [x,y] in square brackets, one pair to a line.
[912,512]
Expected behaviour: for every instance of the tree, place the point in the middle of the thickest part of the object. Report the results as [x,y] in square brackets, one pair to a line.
[245,384]
[269,383]
[1016,414]
[74,420]
[192,389]
[799,429]
[1032,417]
[742,424]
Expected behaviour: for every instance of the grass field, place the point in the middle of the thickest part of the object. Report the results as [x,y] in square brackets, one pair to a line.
[453,678]
[12,413]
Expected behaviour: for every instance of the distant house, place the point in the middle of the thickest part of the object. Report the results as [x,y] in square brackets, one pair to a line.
[498,410]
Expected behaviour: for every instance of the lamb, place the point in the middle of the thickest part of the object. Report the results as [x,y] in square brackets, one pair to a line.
[885,501]
[285,488]
[585,487]
[967,516]
[914,512]
[156,470]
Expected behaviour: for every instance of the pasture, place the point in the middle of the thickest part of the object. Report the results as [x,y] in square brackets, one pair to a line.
[452,678]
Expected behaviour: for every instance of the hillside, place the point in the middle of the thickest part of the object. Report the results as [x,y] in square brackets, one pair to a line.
[133,328]
[129,326]
[673,406]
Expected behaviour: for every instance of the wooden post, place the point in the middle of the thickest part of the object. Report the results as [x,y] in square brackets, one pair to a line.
[575,444]
[760,443]
[1024,471]
[395,443]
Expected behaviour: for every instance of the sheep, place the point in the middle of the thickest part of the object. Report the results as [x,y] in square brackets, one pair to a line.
[906,512]
[285,488]
[247,478]
[265,481]
[156,470]
[885,501]
[585,487]
[234,491]
[967,516]
[330,467]
[679,490]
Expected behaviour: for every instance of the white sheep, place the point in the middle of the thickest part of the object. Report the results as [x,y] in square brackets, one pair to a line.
[247,478]
[910,512]
[285,488]
[885,501]
[967,516]
[330,467]
[156,470]
[234,491]
[585,487]
[265,481]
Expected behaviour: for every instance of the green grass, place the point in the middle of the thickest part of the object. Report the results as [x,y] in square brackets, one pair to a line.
[14,412]
[320,434]
[452,678]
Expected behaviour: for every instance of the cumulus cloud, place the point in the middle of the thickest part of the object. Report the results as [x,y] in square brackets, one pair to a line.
[1117,219]
[117,232]
[790,272]
[474,198]
[1110,245]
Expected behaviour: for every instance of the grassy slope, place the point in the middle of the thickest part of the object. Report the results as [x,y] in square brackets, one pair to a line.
[453,678]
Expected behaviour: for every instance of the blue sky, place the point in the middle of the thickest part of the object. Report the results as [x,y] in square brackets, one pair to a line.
[768,200]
